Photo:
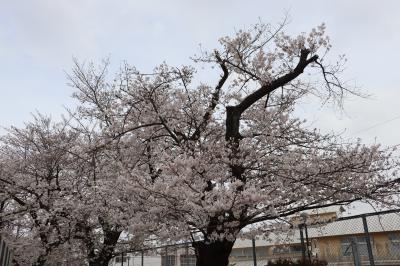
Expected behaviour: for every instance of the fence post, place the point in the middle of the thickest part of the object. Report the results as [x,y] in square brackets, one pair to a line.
[308,243]
[368,239]
[354,251]
[253,241]
[122,259]
[2,251]
[166,257]
[5,253]
[303,248]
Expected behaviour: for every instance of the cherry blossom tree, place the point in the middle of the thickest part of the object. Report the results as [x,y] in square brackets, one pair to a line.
[61,195]
[162,154]
[210,160]
[34,173]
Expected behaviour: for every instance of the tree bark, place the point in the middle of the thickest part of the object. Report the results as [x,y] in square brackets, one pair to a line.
[217,253]
[100,261]
[214,253]
[106,253]
[41,260]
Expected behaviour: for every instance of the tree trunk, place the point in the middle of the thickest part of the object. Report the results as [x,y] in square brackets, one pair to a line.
[41,260]
[106,252]
[101,261]
[43,257]
[214,253]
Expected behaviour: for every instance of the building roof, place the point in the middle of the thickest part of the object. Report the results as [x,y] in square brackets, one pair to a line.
[378,223]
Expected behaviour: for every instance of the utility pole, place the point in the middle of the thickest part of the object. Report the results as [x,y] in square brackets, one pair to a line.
[253,241]
[368,239]
[303,248]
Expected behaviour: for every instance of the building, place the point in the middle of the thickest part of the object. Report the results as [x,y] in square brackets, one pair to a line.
[181,256]
[134,260]
[334,240]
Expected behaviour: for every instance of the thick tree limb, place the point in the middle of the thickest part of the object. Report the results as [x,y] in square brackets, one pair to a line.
[233,113]
[214,98]
[279,82]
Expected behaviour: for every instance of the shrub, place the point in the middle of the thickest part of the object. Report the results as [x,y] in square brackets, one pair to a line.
[289,262]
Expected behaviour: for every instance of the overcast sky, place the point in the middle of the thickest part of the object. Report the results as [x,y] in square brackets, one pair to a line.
[38,40]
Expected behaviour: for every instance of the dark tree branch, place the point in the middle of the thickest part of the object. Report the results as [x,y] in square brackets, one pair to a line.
[214,98]
[234,112]
[279,82]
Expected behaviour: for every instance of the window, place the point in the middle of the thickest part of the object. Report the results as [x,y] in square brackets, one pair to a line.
[287,249]
[248,252]
[168,260]
[261,252]
[281,250]
[119,259]
[394,243]
[242,253]
[296,249]
[188,260]
[359,242]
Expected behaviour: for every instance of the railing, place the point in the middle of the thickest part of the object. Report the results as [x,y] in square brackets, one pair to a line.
[5,253]
[368,239]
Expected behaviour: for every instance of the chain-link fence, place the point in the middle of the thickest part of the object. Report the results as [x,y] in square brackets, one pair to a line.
[5,253]
[324,239]
[368,239]
[316,239]
[168,255]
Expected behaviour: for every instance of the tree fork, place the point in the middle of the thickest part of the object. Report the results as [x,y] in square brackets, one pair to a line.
[217,253]
[106,252]
[213,253]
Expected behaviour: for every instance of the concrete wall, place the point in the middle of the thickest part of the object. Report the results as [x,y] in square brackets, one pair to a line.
[137,261]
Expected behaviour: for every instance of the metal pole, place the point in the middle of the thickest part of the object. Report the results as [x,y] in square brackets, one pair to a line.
[354,251]
[303,249]
[122,259]
[253,241]
[308,243]
[142,258]
[368,239]
[166,256]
